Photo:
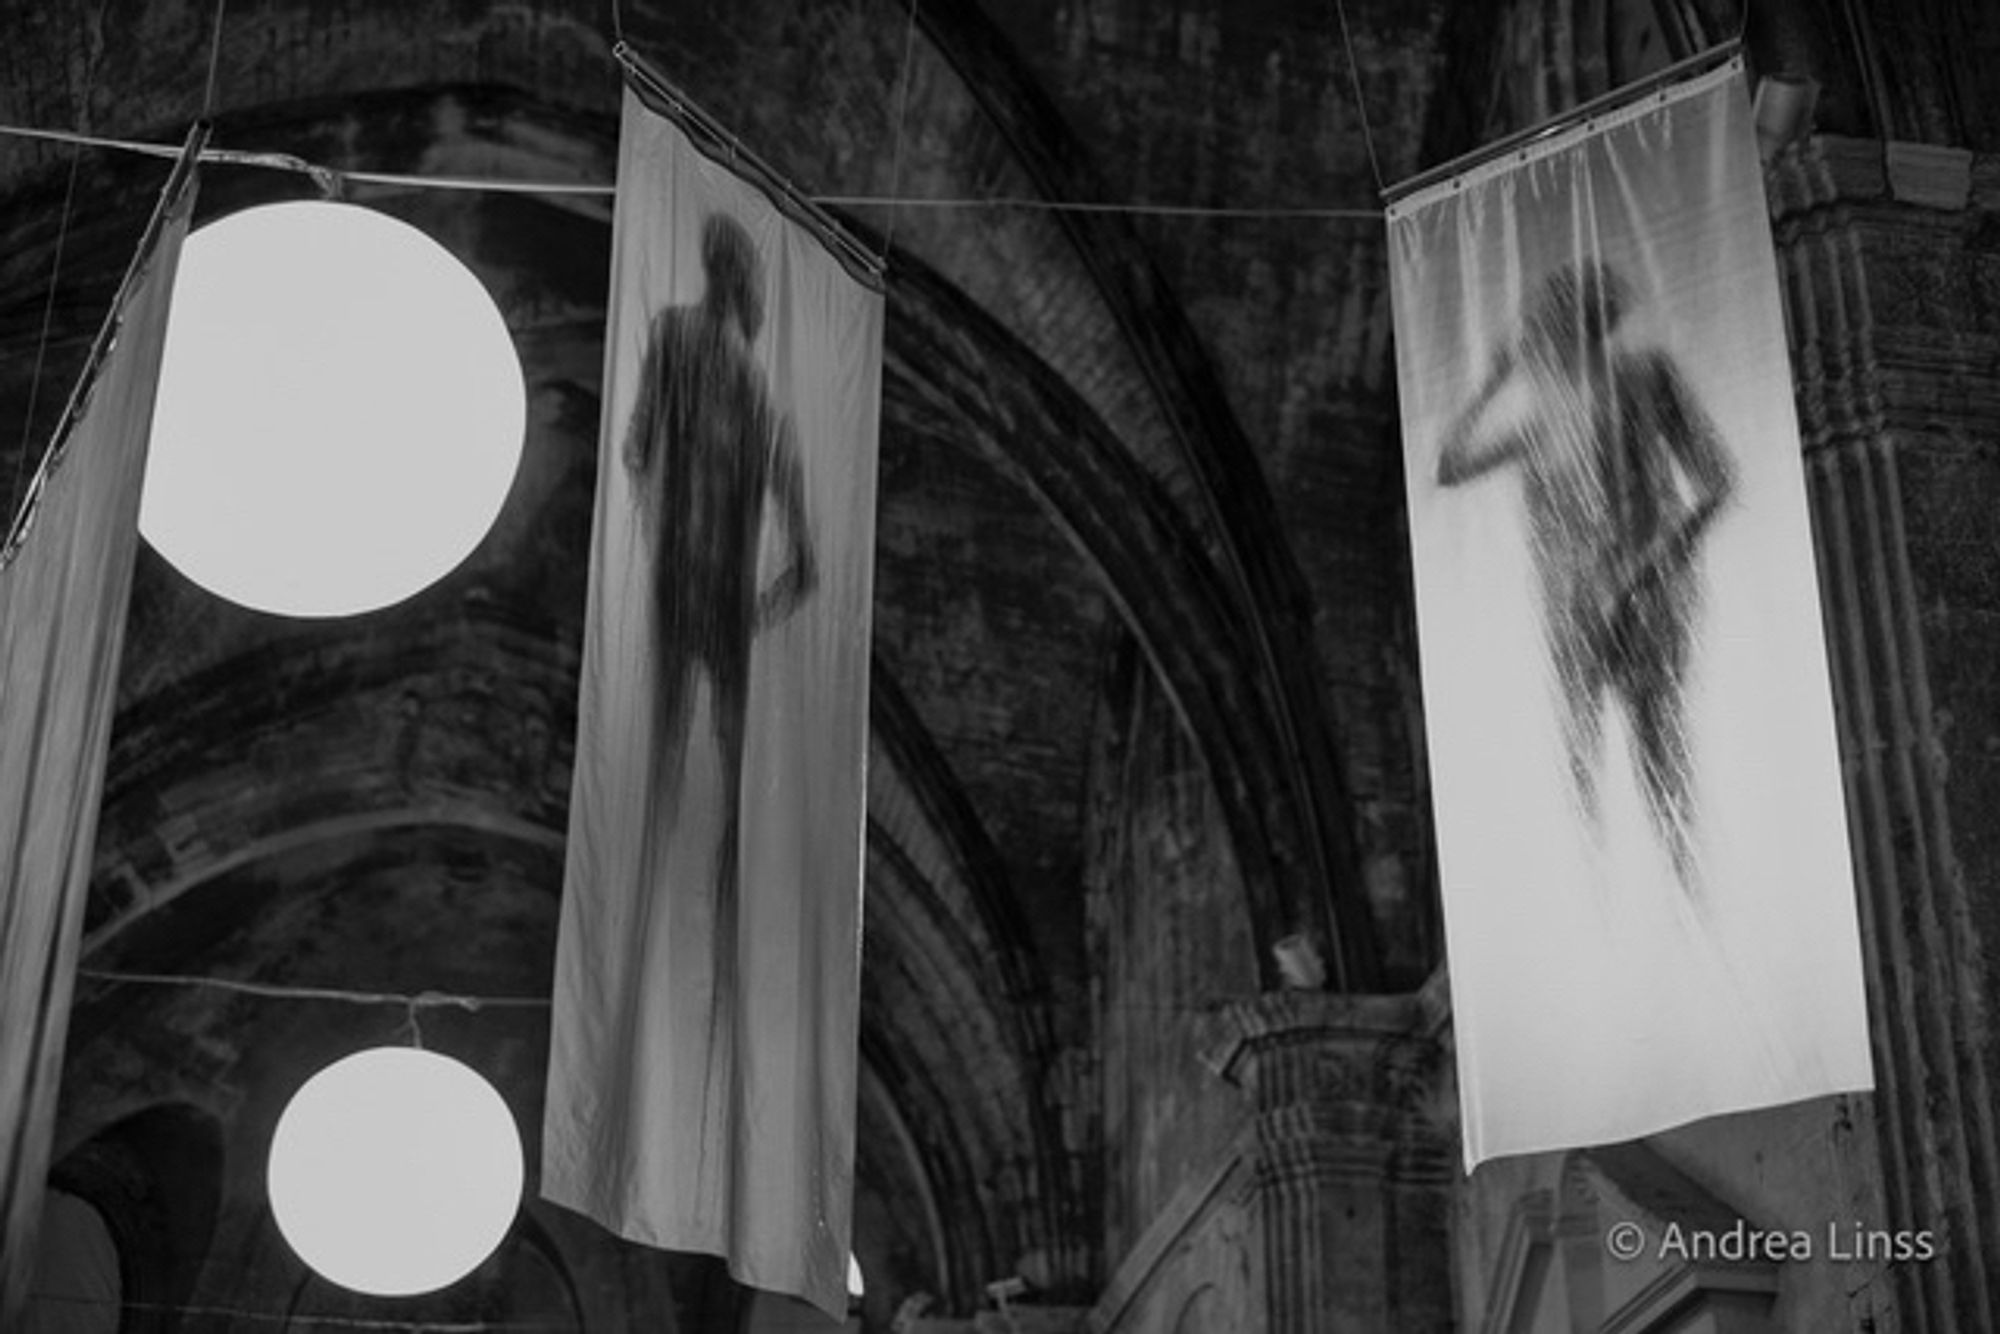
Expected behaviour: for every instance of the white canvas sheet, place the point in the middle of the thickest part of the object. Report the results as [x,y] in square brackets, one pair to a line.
[62,631]
[1649,910]
[702,1073]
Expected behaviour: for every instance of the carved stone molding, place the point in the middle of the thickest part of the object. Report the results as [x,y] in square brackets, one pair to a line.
[1352,1174]
[1888,307]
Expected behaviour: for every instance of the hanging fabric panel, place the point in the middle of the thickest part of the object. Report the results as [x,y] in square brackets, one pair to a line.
[63,594]
[702,1076]
[1649,908]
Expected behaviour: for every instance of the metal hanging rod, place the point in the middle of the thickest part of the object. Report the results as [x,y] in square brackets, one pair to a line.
[1521,140]
[718,142]
[172,196]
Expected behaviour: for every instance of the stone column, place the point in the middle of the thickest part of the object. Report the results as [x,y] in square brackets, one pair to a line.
[1354,1167]
[1889,276]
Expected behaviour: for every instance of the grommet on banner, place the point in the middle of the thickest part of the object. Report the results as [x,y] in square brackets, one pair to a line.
[1654,88]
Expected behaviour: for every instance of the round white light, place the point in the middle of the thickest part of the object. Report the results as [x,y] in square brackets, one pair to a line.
[340,411]
[395,1171]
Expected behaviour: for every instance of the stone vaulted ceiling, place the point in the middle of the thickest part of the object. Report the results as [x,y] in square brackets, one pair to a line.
[1139,488]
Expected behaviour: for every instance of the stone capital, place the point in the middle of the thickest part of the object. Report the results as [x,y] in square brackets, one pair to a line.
[1339,1084]
[1352,1161]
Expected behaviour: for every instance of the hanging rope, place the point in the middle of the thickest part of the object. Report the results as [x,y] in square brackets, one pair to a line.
[331,181]
[42,342]
[1360,102]
[409,1001]
[298,1321]
[14,496]
[214,61]
[902,114]
[1028,204]
[413,1003]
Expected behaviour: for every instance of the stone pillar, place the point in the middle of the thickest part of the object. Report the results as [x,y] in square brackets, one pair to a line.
[1888,275]
[1354,1168]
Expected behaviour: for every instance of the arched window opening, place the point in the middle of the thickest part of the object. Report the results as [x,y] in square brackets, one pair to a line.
[79,1287]
[526,1283]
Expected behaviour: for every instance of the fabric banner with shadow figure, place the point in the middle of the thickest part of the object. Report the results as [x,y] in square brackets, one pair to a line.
[65,580]
[1649,907]
[702,1071]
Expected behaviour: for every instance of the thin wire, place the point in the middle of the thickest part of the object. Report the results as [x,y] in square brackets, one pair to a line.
[902,115]
[87,140]
[330,180]
[1360,103]
[296,1319]
[214,60]
[42,343]
[1656,85]
[14,496]
[174,194]
[1080,206]
[411,1001]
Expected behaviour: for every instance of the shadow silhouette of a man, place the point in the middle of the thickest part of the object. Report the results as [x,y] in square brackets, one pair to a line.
[710,455]
[1622,473]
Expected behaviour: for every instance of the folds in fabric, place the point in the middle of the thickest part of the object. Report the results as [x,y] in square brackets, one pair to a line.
[702,1073]
[1649,907]
[63,598]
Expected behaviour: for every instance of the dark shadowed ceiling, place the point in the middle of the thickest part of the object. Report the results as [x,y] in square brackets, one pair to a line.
[1127,456]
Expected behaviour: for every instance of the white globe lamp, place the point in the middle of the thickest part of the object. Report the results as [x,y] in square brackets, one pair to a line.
[395,1171]
[340,411]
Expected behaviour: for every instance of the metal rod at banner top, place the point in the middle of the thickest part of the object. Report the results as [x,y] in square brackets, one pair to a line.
[1639,89]
[718,142]
[171,195]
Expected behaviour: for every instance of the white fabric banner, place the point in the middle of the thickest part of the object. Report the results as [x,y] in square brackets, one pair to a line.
[1649,907]
[62,630]
[702,1073]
